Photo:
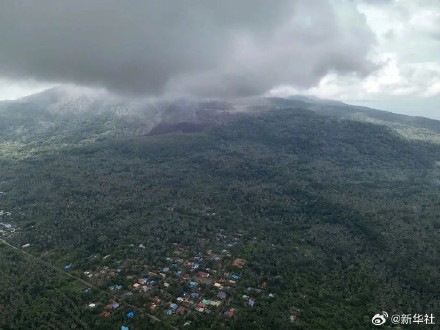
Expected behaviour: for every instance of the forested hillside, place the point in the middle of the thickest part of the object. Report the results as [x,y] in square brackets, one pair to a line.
[305,220]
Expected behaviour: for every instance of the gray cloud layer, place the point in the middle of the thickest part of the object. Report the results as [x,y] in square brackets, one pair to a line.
[199,47]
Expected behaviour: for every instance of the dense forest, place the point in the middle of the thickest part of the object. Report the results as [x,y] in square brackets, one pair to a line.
[334,218]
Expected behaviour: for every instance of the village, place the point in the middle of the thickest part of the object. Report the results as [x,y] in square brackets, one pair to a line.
[214,282]
[207,283]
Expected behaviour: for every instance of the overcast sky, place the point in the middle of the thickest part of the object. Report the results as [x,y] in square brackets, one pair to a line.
[382,53]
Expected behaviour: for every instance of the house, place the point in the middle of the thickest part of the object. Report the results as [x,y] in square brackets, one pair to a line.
[251,302]
[115,305]
[192,284]
[206,301]
[201,305]
[152,306]
[26,246]
[166,284]
[68,266]
[221,295]
[199,309]
[92,305]
[166,269]
[136,285]
[130,315]
[230,313]
[234,277]
[203,274]
[218,285]
[215,303]
[106,314]
[239,262]
[174,306]
[169,312]
[194,295]
[180,310]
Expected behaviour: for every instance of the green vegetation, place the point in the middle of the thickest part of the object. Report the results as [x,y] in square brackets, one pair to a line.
[338,216]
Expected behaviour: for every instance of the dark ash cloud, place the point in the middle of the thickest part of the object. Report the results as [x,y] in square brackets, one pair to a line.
[198,47]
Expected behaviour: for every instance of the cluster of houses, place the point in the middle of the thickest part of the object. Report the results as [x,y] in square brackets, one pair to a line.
[184,283]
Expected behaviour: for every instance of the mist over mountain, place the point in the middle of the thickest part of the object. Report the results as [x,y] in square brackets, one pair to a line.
[39,114]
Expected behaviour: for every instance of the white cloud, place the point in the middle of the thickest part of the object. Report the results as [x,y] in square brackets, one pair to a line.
[433,90]
[406,51]
[13,89]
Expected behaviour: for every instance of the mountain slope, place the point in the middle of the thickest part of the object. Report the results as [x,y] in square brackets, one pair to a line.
[336,220]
